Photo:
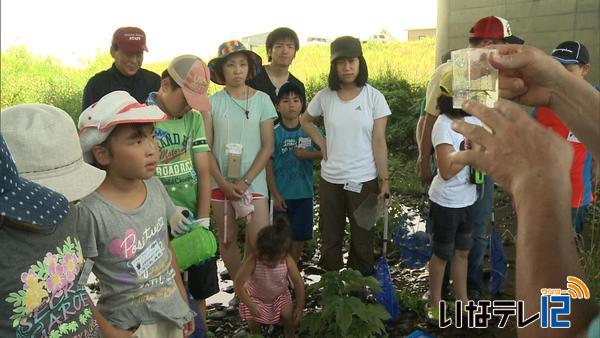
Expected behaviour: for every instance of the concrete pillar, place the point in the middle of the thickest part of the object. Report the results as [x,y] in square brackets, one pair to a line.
[442,29]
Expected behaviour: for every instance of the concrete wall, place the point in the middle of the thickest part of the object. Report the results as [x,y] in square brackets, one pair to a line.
[541,23]
[416,34]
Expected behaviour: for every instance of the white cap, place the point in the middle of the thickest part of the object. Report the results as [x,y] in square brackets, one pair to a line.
[119,107]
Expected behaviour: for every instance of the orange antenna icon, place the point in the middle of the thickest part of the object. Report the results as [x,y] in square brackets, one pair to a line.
[577,288]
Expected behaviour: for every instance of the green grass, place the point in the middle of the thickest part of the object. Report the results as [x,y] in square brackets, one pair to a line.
[27,77]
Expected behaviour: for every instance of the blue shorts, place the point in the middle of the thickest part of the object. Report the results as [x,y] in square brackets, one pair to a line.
[300,214]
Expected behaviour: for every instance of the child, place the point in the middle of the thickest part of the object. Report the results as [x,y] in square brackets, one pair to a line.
[241,138]
[184,156]
[575,57]
[43,278]
[125,221]
[289,172]
[451,204]
[354,154]
[262,283]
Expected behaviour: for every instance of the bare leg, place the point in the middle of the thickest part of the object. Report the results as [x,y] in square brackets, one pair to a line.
[288,322]
[459,275]
[260,219]
[436,277]
[202,309]
[230,251]
[254,327]
[297,248]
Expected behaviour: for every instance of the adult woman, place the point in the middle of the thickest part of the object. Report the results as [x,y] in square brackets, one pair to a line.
[354,153]
[240,134]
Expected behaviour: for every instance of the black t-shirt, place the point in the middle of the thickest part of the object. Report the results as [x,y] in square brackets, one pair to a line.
[139,86]
[262,82]
[40,294]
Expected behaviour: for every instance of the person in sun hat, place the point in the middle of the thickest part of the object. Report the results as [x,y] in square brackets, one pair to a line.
[490,30]
[46,149]
[240,133]
[125,221]
[42,266]
[127,49]
[574,56]
[184,161]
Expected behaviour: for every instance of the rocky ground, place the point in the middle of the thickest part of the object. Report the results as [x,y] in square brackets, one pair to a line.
[224,321]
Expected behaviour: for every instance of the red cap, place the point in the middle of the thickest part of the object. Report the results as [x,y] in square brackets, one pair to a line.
[130,39]
[494,27]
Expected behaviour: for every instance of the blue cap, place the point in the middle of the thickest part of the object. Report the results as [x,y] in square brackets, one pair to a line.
[571,53]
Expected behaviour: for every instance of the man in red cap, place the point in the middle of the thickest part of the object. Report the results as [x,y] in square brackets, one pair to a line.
[127,49]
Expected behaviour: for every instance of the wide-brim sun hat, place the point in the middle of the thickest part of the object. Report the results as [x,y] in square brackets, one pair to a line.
[25,201]
[225,50]
[45,146]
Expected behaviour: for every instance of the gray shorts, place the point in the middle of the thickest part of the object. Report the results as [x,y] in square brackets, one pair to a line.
[452,229]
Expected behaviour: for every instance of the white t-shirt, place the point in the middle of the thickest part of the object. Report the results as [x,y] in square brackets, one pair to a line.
[433,88]
[349,131]
[457,192]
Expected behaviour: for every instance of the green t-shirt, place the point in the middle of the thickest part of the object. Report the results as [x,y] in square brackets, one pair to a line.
[178,140]
[231,125]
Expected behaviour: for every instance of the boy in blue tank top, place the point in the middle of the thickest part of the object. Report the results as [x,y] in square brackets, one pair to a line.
[289,172]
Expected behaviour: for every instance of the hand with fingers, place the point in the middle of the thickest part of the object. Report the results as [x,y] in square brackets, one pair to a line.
[519,154]
[527,75]
[179,221]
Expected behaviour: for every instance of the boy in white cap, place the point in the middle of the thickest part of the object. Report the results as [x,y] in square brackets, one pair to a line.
[126,221]
[43,276]
[183,165]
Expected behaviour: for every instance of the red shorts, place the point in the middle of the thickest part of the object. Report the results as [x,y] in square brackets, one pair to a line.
[217,195]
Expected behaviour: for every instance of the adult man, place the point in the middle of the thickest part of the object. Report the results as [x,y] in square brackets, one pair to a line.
[486,31]
[282,45]
[127,49]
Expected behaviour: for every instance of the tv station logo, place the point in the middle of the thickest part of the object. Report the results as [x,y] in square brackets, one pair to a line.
[555,307]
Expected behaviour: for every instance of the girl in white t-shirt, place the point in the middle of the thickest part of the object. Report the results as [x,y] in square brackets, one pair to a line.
[354,154]
[452,196]
[240,135]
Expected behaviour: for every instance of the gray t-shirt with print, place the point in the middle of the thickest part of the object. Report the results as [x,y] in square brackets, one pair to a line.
[42,286]
[132,259]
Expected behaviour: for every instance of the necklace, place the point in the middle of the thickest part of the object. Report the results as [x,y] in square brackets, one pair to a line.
[245,109]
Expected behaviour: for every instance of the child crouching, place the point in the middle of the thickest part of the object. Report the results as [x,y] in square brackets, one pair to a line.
[262,282]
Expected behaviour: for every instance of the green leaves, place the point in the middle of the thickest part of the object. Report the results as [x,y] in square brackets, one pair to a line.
[342,314]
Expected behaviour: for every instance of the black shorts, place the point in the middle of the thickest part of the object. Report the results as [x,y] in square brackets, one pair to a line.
[203,281]
[452,229]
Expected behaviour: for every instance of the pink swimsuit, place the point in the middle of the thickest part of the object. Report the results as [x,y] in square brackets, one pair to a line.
[268,289]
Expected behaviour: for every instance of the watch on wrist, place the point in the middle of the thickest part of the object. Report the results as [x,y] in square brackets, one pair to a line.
[245,180]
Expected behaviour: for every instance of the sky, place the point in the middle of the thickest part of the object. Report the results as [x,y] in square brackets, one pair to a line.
[75,30]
